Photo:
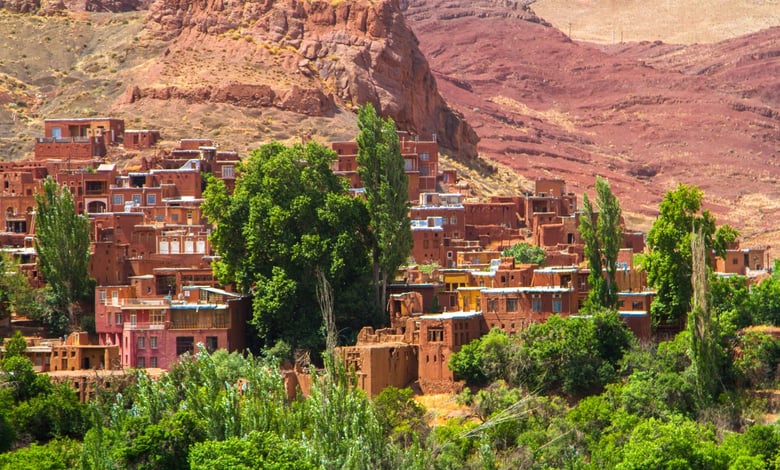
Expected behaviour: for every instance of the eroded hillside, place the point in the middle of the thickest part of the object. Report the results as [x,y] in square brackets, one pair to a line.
[647,116]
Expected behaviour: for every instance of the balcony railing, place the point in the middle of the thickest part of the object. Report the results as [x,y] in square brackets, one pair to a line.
[144,326]
[136,302]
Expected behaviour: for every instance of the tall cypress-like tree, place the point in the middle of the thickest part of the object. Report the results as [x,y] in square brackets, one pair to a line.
[600,229]
[62,242]
[705,351]
[381,168]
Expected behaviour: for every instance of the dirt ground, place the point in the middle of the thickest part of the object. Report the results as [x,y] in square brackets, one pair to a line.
[670,21]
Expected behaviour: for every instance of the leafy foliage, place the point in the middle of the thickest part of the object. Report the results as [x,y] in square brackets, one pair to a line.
[485,359]
[575,356]
[525,253]
[294,218]
[62,243]
[16,346]
[669,262]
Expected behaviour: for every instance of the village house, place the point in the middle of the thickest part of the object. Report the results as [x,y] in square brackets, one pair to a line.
[421,163]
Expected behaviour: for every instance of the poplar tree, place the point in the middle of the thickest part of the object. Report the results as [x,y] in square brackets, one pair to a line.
[601,231]
[381,169]
[62,243]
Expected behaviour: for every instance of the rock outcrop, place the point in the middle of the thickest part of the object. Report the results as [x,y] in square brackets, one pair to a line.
[331,54]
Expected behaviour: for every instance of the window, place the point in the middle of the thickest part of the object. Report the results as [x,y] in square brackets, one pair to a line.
[734,261]
[151,199]
[118,199]
[637,305]
[153,362]
[557,305]
[118,318]
[185,344]
[228,171]
[102,296]
[141,342]
[511,305]
[424,171]
[435,335]
[156,317]
[153,343]
[211,344]
[137,198]
[453,221]
[425,156]
[492,305]
[536,303]
[408,165]
[141,362]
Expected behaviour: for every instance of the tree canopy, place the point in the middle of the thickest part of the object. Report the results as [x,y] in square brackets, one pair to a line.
[289,218]
[62,243]
[525,253]
[669,261]
[381,169]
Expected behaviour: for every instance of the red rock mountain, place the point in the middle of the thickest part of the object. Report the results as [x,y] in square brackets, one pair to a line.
[645,115]
[250,72]
[332,55]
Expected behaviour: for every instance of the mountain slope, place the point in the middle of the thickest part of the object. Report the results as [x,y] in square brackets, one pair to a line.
[647,115]
[241,72]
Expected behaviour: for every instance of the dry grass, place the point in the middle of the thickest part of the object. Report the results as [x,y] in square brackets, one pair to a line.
[681,22]
[441,408]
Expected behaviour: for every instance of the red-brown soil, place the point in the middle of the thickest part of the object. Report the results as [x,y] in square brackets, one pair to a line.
[645,115]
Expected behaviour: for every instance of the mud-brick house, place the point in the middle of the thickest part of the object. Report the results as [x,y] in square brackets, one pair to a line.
[634,311]
[380,359]
[438,338]
[421,163]
[68,139]
[139,139]
[741,260]
[154,332]
[77,353]
[513,309]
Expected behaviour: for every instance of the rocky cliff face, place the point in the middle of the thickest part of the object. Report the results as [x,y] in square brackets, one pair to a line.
[323,56]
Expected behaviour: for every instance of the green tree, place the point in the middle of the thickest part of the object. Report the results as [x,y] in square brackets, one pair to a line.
[16,346]
[59,454]
[62,242]
[669,262]
[705,351]
[485,359]
[381,169]
[765,300]
[16,293]
[401,417]
[290,217]
[601,231]
[575,356]
[525,253]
